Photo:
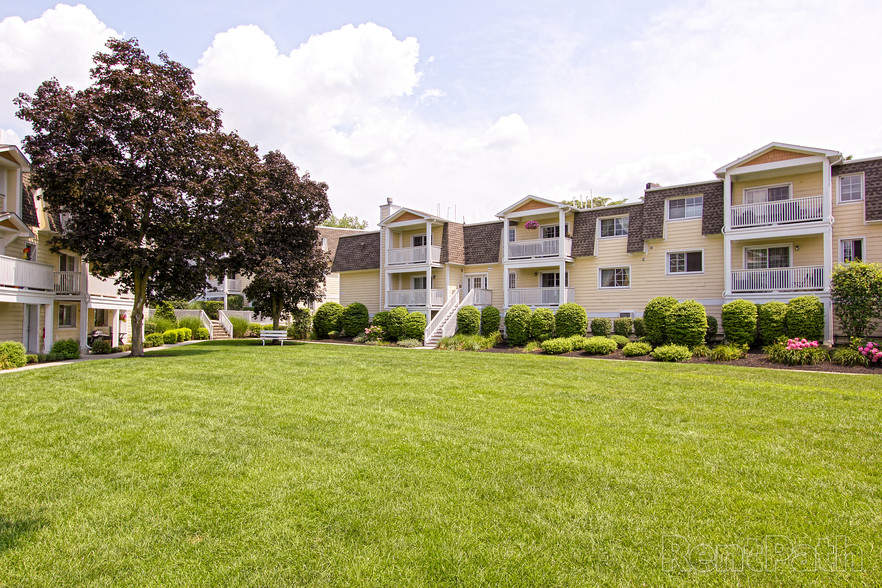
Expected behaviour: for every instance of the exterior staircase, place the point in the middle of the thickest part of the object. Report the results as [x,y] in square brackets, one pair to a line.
[217,331]
[437,334]
[444,323]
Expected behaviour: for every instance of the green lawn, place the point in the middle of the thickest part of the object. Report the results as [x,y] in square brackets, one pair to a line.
[229,463]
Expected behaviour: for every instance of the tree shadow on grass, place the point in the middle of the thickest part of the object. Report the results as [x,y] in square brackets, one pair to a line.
[13,531]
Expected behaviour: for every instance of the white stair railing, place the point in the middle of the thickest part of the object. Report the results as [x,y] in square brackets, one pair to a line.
[225,323]
[436,322]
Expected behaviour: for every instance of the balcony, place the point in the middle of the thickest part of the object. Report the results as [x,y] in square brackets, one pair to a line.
[25,275]
[414,298]
[781,279]
[412,255]
[106,288]
[67,282]
[228,285]
[539,248]
[538,296]
[779,212]
[482,297]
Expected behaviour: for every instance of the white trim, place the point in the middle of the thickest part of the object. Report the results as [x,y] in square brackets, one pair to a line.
[745,248]
[600,278]
[863,241]
[566,226]
[809,151]
[465,280]
[675,186]
[600,226]
[766,187]
[685,218]
[557,272]
[417,236]
[839,199]
[668,271]
[73,316]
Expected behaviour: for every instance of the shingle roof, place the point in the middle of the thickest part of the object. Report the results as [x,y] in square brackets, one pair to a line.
[481,243]
[333,234]
[585,228]
[357,252]
[654,208]
[29,207]
[452,243]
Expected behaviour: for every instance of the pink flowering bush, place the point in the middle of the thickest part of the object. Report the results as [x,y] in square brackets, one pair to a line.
[796,352]
[374,333]
[871,351]
[531,225]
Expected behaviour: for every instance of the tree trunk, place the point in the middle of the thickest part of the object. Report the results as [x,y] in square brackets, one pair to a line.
[138,314]
[277,313]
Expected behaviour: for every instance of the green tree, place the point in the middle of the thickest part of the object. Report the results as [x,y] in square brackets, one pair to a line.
[593,202]
[285,260]
[155,193]
[345,222]
[856,292]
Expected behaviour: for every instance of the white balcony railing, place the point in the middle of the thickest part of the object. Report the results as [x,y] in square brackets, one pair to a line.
[795,210]
[67,282]
[412,255]
[414,298]
[781,279]
[482,297]
[228,285]
[28,275]
[538,296]
[106,287]
[539,248]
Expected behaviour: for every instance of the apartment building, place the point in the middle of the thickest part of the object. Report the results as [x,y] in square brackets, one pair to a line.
[770,226]
[46,296]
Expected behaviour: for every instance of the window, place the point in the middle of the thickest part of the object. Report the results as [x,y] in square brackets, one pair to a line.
[67,315]
[851,250]
[614,227]
[100,317]
[767,194]
[552,280]
[686,262]
[615,277]
[512,280]
[2,202]
[512,234]
[553,231]
[419,283]
[851,188]
[681,208]
[418,241]
[768,257]
[67,263]
[324,243]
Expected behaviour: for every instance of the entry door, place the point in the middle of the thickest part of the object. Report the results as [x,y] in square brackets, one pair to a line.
[32,328]
[478,282]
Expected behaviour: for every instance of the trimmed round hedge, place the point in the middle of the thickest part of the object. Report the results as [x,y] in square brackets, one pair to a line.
[805,318]
[770,321]
[542,324]
[655,318]
[395,325]
[12,355]
[712,328]
[570,320]
[636,349]
[490,319]
[739,322]
[355,319]
[687,324]
[623,326]
[517,324]
[327,319]
[558,345]
[639,327]
[601,327]
[600,346]
[468,321]
[415,326]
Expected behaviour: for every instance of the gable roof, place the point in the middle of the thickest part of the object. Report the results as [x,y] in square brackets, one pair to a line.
[524,204]
[14,154]
[357,252]
[776,151]
[404,214]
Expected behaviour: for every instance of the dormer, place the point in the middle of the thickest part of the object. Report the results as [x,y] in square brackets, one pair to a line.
[412,238]
[536,228]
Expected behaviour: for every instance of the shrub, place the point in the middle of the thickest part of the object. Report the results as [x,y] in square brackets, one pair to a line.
[600,346]
[411,342]
[542,324]
[620,340]
[490,319]
[796,352]
[149,327]
[186,334]
[415,327]
[712,326]
[671,352]
[728,352]
[301,323]
[636,348]
[66,348]
[32,358]
[687,324]
[601,327]
[355,319]
[395,328]
[165,310]
[240,326]
[201,333]
[327,319]
[739,322]
[531,346]
[700,351]
[558,345]
[578,342]
[373,333]
[639,327]
[161,325]
[770,322]
[100,347]
[170,337]
[468,320]
[12,355]
[856,292]
[655,318]
[805,318]
[570,320]
[55,356]
[622,326]
[235,302]
[462,342]
[849,357]
[381,319]
[517,324]
[211,307]
[190,322]
[154,340]
[871,351]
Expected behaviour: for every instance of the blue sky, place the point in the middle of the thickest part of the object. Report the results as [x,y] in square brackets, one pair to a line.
[470,106]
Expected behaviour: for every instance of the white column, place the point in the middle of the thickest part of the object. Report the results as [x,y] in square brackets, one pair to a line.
[48,326]
[827,206]
[727,264]
[505,247]
[388,287]
[727,203]
[84,320]
[563,279]
[429,286]
[114,341]
[429,245]
[505,272]
[828,321]
[562,223]
[828,257]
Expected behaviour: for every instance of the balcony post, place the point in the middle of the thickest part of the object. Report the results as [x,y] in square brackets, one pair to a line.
[727,263]
[727,203]
[505,282]
[429,252]
[48,326]
[827,201]
[828,257]
[84,319]
[114,335]
[505,240]
[562,286]
[561,236]
[429,285]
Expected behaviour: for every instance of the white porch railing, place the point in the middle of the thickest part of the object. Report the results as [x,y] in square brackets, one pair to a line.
[18,273]
[538,296]
[412,255]
[539,248]
[106,287]
[67,282]
[228,285]
[225,321]
[482,297]
[795,210]
[414,298]
[442,321]
[782,279]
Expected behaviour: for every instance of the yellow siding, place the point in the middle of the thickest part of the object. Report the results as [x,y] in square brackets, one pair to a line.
[495,279]
[402,238]
[850,224]
[332,287]
[804,184]
[362,286]
[522,234]
[11,316]
[811,250]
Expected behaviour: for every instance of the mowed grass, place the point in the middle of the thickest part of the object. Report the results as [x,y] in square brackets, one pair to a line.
[228,463]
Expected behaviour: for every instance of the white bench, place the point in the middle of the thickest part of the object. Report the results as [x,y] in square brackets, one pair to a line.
[273,336]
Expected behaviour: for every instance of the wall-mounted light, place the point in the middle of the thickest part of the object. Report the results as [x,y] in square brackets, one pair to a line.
[796,247]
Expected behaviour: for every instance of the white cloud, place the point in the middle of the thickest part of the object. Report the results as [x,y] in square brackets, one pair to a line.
[9,137]
[60,43]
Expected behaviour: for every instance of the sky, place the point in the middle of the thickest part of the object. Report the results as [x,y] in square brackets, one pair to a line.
[463,108]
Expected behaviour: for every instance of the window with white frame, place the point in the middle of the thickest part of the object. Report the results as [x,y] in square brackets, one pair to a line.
[2,202]
[553,231]
[683,208]
[67,315]
[615,277]
[851,250]
[419,283]
[67,263]
[768,257]
[512,234]
[100,317]
[324,243]
[614,227]
[686,262]
[418,241]
[851,188]
[552,280]
[766,194]
[512,280]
